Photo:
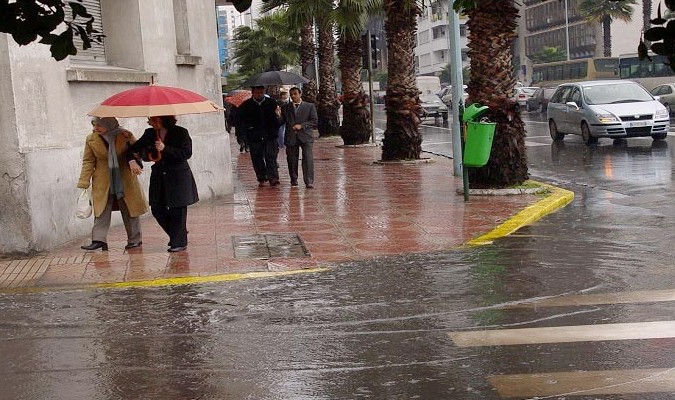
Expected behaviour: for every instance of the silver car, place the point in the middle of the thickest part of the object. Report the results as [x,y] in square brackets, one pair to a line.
[666,95]
[611,108]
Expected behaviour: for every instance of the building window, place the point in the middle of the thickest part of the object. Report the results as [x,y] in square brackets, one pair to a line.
[462,30]
[96,53]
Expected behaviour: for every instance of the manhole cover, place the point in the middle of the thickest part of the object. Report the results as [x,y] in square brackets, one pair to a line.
[269,245]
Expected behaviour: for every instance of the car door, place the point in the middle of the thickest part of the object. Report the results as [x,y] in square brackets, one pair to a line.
[574,115]
[557,109]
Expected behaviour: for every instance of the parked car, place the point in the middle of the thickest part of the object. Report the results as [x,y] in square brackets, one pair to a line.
[539,99]
[666,95]
[612,108]
[446,95]
[521,94]
[432,106]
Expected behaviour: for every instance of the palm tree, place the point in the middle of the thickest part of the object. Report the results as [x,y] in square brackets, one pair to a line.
[402,139]
[492,28]
[350,17]
[604,11]
[270,46]
[300,15]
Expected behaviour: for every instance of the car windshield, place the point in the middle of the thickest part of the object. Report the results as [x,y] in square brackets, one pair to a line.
[430,98]
[616,93]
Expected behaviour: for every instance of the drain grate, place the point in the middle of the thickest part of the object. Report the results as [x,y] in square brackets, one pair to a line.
[269,245]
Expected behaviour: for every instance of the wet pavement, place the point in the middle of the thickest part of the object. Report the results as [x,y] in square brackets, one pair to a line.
[358,209]
[578,305]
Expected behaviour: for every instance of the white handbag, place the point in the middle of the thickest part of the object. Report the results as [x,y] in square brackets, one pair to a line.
[83,204]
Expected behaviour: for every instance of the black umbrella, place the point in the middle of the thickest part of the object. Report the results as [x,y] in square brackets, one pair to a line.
[271,78]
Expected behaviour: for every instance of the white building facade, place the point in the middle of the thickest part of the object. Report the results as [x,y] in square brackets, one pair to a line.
[44,105]
[432,52]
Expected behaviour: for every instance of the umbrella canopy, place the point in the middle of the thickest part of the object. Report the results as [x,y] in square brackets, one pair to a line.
[271,78]
[237,97]
[153,100]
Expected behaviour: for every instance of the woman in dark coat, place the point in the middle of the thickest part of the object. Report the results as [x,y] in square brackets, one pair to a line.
[172,185]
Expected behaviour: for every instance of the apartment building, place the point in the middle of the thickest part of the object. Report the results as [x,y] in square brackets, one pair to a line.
[432,52]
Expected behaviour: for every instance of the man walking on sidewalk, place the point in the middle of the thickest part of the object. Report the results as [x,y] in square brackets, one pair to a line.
[258,117]
[300,118]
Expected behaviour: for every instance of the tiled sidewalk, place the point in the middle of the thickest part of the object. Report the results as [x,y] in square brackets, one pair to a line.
[358,209]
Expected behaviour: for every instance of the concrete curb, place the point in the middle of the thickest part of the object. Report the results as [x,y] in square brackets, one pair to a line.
[557,199]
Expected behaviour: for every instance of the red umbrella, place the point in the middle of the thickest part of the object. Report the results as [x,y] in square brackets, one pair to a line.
[237,97]
[153,100]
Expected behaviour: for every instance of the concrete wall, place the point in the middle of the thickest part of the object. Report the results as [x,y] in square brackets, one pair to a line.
[44,105]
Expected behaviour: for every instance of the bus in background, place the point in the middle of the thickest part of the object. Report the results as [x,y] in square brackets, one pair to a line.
[649,74]
[584,69]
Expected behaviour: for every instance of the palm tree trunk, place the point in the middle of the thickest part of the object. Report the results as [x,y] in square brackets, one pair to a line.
[327,105]
[402,139]
[492,29]
[307,61]
[355,127]
[607,35]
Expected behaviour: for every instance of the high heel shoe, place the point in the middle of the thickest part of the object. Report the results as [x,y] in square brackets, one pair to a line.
[94,245]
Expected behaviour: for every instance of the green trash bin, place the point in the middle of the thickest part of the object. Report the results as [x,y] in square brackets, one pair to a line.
[478,144]
[479,136]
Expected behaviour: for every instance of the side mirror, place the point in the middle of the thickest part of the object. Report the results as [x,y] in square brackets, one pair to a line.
[657,98]
[572,104]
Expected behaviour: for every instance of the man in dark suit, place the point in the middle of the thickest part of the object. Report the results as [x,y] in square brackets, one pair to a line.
[259,121]
[300,118]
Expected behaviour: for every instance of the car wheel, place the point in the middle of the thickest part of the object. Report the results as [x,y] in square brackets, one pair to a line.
[553,130]
[586,135]
[660,136]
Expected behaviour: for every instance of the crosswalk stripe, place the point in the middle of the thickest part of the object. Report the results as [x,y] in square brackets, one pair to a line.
[542,385]
[565,334]
[651,296]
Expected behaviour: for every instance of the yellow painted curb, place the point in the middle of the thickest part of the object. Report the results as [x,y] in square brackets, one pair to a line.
[184,280]
[557,199]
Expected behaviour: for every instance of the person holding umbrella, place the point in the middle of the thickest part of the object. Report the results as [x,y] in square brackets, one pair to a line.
[114,186]
[172,185]
[257,117]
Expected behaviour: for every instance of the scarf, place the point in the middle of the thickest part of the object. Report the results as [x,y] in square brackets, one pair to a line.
[116,186]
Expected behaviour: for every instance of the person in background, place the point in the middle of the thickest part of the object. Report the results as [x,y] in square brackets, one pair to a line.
[114,186]
[239,131]
[257,117]
[300,118]
[172,185]
[283,100]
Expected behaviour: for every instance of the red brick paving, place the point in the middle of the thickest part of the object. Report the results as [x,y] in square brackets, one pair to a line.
[358,209]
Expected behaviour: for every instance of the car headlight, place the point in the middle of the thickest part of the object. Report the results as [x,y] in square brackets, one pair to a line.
[606,118]
[661,114]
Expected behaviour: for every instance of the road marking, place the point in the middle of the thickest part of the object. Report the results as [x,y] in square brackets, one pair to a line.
[565,334]
[557,199]
[185,280]
[645,296]
[654,380]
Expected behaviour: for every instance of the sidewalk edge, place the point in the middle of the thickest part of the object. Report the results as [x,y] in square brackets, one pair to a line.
[558,198]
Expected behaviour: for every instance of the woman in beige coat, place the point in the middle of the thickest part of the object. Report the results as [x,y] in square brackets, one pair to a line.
[114,186]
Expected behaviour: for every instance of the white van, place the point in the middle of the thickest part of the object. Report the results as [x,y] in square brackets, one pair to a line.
[428,84]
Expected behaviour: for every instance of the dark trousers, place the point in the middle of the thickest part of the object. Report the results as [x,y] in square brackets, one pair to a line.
[264,158]
[174,222]
[292,154]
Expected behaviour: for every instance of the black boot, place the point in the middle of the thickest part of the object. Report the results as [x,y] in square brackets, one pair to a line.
[94,245]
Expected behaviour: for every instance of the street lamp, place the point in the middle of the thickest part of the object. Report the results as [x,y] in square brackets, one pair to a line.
[567,32]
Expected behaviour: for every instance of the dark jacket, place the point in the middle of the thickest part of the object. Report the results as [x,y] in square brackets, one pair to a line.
[259,121]
[171,181]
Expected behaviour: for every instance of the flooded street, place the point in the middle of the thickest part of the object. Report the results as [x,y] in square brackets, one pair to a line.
[578,305]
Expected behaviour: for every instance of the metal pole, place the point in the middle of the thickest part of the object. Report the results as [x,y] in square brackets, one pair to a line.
[316,56]
[456,80]
[370,86]
[567,32]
